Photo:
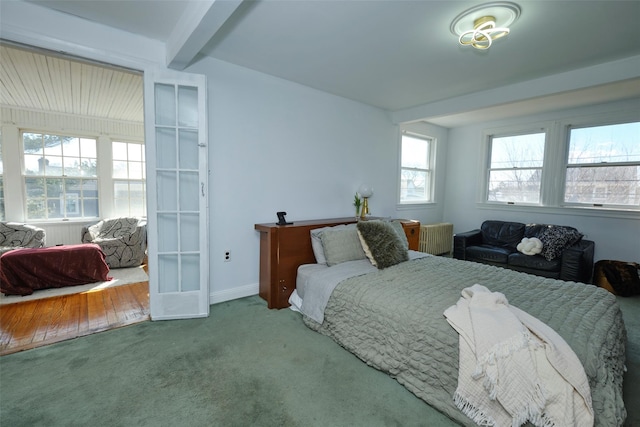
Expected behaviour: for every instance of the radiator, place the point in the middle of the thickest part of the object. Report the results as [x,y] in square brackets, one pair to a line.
[62,233]
[436,239]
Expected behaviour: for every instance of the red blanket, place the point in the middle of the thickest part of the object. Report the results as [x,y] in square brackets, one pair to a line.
[23,271]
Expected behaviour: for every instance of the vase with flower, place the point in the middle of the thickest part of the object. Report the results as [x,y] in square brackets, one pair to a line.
[357,202]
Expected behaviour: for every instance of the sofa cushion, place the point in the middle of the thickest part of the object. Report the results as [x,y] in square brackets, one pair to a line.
[488,253]
[16,235]
[536,262]
[502,233]
[556,238]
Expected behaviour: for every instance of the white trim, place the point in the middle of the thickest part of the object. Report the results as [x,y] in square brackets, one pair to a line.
[81,126]
[557,210]
[235,293]
[31,24]
[172,317]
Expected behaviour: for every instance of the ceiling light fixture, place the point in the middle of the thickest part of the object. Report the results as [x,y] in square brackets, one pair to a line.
[480,25]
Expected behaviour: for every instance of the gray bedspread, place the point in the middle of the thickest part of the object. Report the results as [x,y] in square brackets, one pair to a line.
[393,320]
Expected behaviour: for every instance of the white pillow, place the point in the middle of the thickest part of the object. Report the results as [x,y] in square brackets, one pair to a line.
[530,246]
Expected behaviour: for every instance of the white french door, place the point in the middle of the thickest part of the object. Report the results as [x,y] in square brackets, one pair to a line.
[177,207]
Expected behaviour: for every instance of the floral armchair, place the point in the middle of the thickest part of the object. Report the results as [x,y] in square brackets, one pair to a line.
[14,235]
[123,240]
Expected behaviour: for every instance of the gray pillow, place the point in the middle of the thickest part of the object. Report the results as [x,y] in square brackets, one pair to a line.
[381,243]
[340,244]
[397,227]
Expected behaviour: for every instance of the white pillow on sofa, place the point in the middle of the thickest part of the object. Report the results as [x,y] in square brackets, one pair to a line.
[530,246]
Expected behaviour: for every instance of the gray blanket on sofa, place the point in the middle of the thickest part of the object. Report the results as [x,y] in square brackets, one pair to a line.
[393,320]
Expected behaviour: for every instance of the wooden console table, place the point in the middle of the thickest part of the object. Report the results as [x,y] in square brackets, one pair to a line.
[283,248]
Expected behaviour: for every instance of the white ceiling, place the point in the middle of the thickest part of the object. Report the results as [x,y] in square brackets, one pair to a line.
[34,80]
[396,54]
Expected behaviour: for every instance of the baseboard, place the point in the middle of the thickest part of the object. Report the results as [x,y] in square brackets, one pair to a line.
[235,293]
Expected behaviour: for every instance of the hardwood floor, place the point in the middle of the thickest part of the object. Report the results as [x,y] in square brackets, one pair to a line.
[30,324]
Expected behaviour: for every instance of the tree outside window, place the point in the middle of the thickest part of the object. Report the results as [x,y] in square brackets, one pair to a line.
[515,168]
[415,171]
[60,175]
[603,166]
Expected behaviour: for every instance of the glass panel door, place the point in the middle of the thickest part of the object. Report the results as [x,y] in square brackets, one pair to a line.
[175,125]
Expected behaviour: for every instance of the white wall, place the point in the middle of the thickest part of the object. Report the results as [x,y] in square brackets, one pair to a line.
[279,146]
[616,237]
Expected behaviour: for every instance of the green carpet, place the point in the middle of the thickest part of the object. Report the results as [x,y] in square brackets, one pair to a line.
[631,315]
[245,365]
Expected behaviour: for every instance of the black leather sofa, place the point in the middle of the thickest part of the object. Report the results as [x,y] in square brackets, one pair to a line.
[495,243]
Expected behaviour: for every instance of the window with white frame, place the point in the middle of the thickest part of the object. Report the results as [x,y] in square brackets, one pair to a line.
[60,175]
[603,166]
[129,179]
[416,169]
[515,168]
[2,214]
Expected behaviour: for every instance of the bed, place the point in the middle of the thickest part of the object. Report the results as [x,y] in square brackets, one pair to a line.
[392,317]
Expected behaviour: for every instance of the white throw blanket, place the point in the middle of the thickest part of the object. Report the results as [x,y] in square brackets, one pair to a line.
[513,367]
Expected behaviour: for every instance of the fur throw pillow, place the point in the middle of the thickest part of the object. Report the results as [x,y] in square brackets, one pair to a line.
[381,243]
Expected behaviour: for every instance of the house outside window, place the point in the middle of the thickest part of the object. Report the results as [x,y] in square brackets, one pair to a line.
[603,166]
[416,169]
[515,168]
[60,176]
[129,187]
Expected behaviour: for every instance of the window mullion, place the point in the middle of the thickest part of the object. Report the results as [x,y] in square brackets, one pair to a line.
[105,171]
[553,172]
[602,164]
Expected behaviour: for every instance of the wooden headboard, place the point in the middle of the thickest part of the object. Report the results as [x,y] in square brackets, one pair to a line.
[283,248]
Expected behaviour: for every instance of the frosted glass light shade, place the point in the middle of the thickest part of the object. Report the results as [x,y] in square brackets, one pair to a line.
[365,190]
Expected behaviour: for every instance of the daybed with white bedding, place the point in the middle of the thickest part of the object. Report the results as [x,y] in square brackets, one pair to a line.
[392,318]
